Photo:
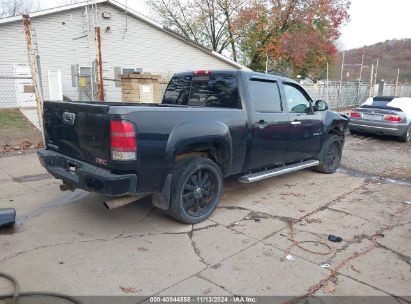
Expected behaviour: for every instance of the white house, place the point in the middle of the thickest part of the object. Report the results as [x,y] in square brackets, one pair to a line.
[64,40]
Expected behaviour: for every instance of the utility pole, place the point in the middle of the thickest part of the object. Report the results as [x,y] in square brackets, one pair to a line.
[99,60]
[359,78]
[362,64]
[34,71]
[376,72]
[396,82]
[371,82]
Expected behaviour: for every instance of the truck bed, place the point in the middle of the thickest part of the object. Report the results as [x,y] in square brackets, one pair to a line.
[160,129]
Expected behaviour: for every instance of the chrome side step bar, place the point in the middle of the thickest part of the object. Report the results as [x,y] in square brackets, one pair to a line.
[253,177]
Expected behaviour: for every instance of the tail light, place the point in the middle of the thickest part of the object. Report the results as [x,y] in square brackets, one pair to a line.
[122,140]
[355,115]
[393,118]
[203,72]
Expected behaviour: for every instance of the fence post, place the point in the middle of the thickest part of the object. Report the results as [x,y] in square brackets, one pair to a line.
[100,84]
[376,73]
[341,79]
[396,82]
[34,72]
[370,93]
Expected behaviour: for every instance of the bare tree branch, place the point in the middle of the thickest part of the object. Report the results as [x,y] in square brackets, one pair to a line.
[9,8]
[209,22]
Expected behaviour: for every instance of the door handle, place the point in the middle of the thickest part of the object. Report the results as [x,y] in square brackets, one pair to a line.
[262,124]
[296,122]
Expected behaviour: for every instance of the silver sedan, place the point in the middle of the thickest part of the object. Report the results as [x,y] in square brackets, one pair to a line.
[383,115]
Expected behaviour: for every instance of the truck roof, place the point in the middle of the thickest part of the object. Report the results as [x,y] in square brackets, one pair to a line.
[234,72]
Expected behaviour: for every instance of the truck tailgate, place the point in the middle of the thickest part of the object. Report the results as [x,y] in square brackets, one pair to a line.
[78,130]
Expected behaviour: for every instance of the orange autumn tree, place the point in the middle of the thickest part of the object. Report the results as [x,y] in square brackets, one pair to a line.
[290,34]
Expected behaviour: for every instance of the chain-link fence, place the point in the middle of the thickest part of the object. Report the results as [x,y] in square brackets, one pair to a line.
[338,95]
[18,113]
[351,93]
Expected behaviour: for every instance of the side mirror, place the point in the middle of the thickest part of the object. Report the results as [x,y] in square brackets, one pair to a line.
[320,105]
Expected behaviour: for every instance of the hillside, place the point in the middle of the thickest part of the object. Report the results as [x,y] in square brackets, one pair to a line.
[392,54]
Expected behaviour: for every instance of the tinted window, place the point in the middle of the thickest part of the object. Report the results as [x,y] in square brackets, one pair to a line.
[178,90]
[214,91]
[203,90]
[266,96]
[381,102]
[297,102]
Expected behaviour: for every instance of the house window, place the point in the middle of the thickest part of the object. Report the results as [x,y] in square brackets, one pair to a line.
[118,71]
[126,71]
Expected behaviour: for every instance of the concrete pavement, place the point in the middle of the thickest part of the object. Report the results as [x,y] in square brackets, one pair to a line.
[68,242]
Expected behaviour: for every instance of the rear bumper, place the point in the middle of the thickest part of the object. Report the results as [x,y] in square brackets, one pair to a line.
[86,176]
[377,127]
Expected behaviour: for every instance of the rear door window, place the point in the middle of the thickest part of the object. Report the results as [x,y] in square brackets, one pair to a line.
[178,90]
[265,96]
[219,90]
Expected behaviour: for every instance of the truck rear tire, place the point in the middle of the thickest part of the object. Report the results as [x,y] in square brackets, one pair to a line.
[197,185]
[331,153]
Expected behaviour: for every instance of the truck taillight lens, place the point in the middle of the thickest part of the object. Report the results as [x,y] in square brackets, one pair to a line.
[122,140]
[203,72]
[355,115]
[393,118]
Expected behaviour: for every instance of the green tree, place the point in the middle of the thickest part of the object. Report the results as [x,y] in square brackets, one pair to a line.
[296,34]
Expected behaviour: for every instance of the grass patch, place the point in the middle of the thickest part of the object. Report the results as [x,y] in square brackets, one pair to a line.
[16,128]
[11,119]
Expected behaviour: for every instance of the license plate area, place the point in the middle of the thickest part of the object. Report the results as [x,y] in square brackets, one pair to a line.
[71,167]
[372,117]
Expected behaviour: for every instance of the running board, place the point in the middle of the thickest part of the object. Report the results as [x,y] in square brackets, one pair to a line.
[253,177]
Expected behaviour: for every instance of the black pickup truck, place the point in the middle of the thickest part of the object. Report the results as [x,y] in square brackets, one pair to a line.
[210,125]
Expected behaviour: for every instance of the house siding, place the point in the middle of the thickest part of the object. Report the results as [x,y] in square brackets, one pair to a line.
[64,39]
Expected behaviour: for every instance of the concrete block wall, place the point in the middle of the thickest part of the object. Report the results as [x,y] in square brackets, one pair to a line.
[144,88]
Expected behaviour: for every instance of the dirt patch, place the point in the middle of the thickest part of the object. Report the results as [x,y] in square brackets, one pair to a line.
[377,155]
[16,129]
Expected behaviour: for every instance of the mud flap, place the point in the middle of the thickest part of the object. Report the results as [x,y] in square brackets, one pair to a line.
[162,199]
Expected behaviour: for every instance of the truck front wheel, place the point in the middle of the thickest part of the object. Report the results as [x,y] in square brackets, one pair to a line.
[331,154]
[197,185]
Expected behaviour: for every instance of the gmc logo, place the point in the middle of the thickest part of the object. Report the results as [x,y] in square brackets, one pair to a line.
[101,161]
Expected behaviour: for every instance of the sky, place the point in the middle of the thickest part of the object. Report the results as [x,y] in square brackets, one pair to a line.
[371,21]
[374,21]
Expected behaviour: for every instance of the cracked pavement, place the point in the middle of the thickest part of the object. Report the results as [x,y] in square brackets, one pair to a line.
[69,242]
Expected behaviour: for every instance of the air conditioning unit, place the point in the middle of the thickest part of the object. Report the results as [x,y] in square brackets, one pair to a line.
[106,15]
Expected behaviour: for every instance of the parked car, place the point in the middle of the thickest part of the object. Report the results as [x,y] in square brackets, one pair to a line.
[383,115]
[210,125]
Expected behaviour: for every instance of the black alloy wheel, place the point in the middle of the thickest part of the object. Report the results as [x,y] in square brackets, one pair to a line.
[197,185]
[330,155]
[199,192]
[333,157]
